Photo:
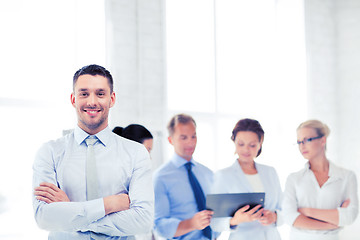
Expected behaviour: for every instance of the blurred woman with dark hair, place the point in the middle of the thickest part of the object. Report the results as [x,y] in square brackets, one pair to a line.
[137,133]
[245,176]
[140,134]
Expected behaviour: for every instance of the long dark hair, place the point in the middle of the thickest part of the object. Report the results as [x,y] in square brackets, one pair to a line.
[134,132]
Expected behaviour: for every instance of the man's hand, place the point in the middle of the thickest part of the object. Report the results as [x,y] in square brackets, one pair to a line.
[198,222]
[50,193]
[201,219]
[116,203]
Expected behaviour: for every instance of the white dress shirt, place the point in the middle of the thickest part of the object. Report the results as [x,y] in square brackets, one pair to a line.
[123,166]
[302,190]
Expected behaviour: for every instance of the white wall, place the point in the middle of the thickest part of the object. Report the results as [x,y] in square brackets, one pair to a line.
[333,57]
[321,48]
[347,18]
[42,44]
[348,79]
[135,50]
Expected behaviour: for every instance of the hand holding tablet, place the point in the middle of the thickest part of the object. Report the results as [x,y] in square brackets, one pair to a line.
[225,205]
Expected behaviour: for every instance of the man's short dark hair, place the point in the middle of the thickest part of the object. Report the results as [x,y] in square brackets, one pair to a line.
[179,118]
[94,70]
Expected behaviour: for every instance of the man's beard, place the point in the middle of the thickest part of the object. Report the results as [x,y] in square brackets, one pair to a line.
[95,125]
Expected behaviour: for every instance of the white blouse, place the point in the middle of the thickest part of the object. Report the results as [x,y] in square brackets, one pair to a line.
[302,190]
[255,182]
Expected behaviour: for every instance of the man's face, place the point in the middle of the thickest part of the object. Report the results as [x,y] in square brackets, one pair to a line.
[92,100]
[184,140]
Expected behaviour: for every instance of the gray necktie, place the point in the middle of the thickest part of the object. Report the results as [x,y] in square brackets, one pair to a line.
[91,171]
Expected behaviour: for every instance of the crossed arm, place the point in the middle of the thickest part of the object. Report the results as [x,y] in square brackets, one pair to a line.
[49,193]
[319,219]
[111,215]
[114,215]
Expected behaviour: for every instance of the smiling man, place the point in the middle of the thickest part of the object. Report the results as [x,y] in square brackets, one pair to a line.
[91,183]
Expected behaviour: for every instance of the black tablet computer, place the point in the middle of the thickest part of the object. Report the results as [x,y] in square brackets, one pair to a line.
[226,204]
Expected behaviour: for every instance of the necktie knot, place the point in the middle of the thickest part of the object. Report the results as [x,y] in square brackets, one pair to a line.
[188,166]
[90,141]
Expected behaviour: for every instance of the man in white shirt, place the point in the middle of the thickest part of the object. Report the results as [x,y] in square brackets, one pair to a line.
[123,202]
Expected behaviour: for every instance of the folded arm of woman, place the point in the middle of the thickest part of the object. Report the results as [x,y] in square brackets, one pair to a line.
[325,215]
[304,222]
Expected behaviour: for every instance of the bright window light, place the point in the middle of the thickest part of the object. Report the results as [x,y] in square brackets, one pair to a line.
[232,59]
[43,43]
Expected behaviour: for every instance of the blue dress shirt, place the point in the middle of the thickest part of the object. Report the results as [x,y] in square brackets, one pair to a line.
[174,197]
[123,166]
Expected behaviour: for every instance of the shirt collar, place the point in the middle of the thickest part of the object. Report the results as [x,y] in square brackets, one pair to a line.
[179,161]
[307,166]
[333,170]
[103,136]
[236,164]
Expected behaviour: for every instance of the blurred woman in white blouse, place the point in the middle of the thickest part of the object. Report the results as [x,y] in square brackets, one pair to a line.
[321,198]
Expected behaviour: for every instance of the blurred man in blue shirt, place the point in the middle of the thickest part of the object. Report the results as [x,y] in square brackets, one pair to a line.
[177,214]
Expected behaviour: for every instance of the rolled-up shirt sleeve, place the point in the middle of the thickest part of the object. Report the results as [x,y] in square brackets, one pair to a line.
[60,216]
[289,204]
[89,216]
[164,223]
[68,216]
[139,218]
[348,215]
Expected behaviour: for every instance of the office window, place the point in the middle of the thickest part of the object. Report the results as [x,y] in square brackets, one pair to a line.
[234,59]
[42,44]
[190,55]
